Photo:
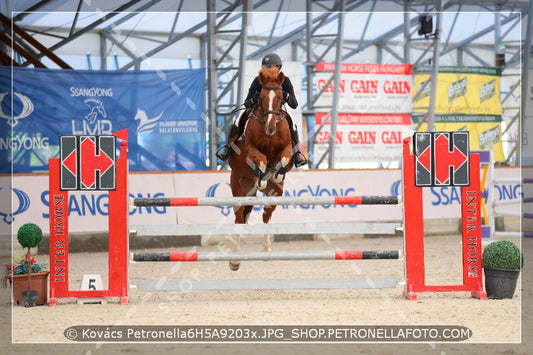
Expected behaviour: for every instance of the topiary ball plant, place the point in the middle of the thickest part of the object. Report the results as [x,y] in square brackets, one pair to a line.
[29,235]
[502,254]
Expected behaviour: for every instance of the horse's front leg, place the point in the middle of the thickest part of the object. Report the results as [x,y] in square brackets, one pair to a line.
[234,265]
[267,214]
[274,189]
[242,213]
[267,242]
[257,162]
[283,165]
[240,218]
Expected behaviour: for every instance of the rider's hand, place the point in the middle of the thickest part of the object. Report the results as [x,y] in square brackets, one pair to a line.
[255,99]
[285,96]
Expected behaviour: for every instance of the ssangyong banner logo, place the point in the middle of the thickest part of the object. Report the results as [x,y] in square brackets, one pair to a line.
[91,92]
[27,109]
[26,141]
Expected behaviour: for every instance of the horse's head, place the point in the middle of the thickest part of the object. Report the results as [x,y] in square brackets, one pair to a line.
[271,97]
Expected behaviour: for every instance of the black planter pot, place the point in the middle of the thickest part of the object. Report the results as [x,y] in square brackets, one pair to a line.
[500,283]
[29,298]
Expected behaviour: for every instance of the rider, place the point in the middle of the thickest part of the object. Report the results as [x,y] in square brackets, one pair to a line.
[270,60]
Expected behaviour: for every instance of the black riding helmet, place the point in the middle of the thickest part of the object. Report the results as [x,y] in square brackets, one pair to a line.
[272,59]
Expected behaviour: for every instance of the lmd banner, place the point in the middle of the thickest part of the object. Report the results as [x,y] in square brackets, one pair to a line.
[161,109]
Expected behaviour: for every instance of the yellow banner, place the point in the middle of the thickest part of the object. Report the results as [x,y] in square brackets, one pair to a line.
[467,99]
[464,90]
[483,135]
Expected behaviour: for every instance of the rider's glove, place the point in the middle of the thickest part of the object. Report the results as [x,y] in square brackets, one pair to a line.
[285,96]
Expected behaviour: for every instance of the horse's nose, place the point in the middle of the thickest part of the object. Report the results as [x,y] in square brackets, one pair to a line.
[270,131]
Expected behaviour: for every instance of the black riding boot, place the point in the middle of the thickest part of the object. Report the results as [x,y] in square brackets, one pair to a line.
[224,151]
[297,158]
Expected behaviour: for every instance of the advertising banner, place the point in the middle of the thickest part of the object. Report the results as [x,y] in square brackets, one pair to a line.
[364,137]
[374,106]
[367,88]
[465,90]
[162,111]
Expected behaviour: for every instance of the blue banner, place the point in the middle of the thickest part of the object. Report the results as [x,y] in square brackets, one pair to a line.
[162,111]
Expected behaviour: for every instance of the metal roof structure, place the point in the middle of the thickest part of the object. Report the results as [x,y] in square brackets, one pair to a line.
[221,35]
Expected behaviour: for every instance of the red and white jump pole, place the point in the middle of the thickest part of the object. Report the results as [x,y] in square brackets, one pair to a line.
[266,201]
[272,255]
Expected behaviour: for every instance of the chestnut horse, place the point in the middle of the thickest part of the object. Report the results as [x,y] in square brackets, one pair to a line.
[260,160]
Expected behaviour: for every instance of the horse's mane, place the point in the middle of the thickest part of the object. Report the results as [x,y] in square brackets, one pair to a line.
[270,75]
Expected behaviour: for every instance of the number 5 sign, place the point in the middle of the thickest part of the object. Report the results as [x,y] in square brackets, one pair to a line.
[441,159]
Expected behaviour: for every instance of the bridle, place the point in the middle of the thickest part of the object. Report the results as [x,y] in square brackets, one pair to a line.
[265,113]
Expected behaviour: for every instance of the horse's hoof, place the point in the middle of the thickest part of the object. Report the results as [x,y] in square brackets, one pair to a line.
[234,265]
[261,184]
[279,178]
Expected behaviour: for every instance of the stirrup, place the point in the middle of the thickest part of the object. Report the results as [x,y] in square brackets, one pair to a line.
[299,159]
[223,153]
